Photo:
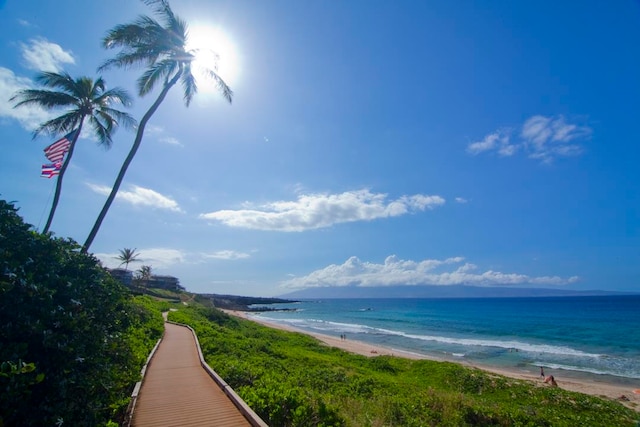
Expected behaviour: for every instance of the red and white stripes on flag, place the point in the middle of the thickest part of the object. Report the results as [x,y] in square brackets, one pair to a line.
[56,151]
[51,170]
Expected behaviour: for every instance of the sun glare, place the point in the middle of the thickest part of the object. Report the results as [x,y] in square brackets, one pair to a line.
[209,41]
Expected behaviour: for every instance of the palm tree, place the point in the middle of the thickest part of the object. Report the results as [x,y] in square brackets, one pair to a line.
[162,48]
[128,256]
[145,272]
[82,99]
[142,277]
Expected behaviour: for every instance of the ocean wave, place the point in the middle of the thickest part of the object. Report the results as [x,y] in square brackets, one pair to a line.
[354,328]
[604,371]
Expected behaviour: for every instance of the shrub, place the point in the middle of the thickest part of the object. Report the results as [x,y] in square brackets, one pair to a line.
[69,346]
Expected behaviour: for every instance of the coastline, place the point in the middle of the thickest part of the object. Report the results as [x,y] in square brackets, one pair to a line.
[600,389]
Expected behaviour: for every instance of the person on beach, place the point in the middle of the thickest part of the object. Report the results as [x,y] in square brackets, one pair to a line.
[542,372]
[551,381]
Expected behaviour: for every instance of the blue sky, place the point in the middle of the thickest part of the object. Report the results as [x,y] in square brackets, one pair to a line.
[368,143]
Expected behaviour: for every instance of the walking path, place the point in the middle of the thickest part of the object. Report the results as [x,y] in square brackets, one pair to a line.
[179,390]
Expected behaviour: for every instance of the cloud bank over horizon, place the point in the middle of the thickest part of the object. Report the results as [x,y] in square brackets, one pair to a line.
[165,258]
[397,272]
[315,211]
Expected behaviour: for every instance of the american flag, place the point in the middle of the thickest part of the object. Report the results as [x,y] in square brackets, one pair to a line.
[51,170]
[56,151]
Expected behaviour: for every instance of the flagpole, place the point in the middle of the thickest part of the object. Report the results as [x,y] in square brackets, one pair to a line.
[45,206]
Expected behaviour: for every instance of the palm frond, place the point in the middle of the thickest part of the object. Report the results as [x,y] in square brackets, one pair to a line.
[102,129]
[97,89]
[120,117]
[43,98]
[162,8]
[189,85]
[115,95]
[158,71]
[62,81]
[135,33]
[224,89]
[141,43]
[60,125]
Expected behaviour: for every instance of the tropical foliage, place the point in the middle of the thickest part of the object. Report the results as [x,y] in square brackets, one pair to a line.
[73,340]
[80,99]
[160,46]
[290,379]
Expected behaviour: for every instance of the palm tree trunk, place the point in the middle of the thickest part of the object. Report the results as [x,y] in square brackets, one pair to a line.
[127,161]
[56,196]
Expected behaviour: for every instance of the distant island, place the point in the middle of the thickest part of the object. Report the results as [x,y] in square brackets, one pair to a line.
[434,291]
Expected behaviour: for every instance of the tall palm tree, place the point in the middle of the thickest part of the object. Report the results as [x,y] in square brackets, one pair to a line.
[81,99]
[128,256]
[162,48]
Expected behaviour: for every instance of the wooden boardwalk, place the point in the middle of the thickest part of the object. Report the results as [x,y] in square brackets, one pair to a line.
[177,390]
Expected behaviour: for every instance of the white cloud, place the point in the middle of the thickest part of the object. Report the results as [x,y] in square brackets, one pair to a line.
[323,210]
[461,200]
[160,133]
[140,196]
[497,141]
[541,138]
[42,55]
[29,117]
[549,137]
[227,255]
[164,258]
[154,130]
[171,141]
[157,258]
[397,272]
[25,23]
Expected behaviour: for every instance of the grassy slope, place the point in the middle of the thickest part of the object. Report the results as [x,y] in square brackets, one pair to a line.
[291,379]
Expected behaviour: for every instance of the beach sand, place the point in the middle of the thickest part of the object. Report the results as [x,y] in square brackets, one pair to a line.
[621,394]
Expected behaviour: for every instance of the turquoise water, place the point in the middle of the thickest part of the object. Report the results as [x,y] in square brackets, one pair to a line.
[595,337]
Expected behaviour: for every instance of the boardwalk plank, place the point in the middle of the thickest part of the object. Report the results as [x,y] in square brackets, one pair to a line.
[177,391]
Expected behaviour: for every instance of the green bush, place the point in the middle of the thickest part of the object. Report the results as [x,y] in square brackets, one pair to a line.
[73,340]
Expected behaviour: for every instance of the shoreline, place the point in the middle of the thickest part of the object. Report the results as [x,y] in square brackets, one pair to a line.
[599,389]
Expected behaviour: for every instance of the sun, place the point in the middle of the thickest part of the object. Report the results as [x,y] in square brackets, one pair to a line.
[210,41]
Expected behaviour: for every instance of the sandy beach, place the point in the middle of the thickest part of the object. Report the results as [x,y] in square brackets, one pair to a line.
[621,394]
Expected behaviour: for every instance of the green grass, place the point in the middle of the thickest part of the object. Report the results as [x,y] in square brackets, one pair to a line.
[292,379]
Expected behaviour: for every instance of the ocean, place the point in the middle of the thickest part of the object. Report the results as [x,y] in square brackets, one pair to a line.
[595,337]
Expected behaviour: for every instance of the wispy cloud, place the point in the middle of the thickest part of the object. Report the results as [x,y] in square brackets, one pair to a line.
[160,133]
[541,138]
[43,55]
[25,23]
[323,210]
[171,141]
[497,141]
[549,137]
[164,258]
[226,255]
[140,196]
[29,117]
[461,200]
[397,272]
